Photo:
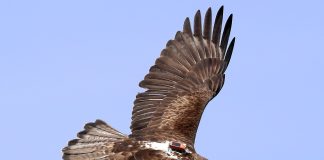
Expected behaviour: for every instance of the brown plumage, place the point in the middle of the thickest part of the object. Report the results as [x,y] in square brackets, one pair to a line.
[186,76]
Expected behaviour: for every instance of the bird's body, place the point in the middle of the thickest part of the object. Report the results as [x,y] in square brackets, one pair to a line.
[165,118]
[100,141]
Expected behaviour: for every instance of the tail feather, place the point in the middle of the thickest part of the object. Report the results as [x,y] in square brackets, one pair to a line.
[93,142]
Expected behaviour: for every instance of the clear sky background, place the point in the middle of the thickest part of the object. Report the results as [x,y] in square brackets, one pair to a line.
[67,62]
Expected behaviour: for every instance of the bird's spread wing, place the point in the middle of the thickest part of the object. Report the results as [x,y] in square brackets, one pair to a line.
[186,76]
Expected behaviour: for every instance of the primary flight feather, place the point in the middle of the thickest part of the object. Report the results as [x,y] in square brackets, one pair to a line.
[165,118]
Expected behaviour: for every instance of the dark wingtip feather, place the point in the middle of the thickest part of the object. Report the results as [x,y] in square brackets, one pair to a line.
[230,18]
[187,26]
[99,122]
[208,24]
[197,24]
[226,33]
[82,133]
[178,36]
[89,125]
[73,142]
[230,51]
[218,26]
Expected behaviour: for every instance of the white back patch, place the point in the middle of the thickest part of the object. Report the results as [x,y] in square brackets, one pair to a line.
[162,146]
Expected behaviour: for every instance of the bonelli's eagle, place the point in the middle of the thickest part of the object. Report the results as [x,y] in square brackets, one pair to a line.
[165,118]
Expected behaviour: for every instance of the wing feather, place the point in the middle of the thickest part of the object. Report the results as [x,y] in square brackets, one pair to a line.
[218,26]
[197,24]
[187,27]
[226,34]
[208,24]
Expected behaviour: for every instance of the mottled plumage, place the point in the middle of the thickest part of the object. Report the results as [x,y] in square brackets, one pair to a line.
[186,76]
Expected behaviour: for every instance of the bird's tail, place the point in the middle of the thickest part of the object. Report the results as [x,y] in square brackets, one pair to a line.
[93,143]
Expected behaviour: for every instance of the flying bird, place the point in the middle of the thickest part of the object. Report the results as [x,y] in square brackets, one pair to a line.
[165,118]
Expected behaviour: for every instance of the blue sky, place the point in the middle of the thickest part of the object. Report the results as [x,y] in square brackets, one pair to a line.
[65,63]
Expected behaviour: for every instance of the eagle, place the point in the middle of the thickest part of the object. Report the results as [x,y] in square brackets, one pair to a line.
[189,73]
